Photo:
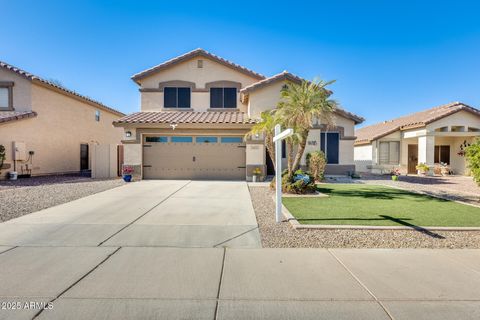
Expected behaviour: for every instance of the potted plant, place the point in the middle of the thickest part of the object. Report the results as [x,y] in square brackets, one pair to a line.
[395,173]
[444,169]
[256,174]
[127,173]
[422,168]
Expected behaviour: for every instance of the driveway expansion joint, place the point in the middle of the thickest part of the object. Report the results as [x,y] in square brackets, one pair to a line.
[362,284]
[220,283]
[146,212]
[9,249]
[77,281]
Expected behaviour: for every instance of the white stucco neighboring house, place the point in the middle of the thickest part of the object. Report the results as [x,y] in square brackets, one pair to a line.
[435,137]
[195,111]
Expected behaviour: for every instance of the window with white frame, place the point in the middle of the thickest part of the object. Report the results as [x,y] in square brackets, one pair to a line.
[389,152]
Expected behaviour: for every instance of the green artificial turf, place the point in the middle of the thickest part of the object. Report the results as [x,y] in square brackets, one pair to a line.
[358,204]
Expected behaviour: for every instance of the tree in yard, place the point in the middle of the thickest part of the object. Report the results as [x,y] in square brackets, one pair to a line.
[472,153]
[266,128]
[300,105]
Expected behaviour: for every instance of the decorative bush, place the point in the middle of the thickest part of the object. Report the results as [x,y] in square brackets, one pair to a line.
[2,156]
[301,183]
[472,153]
[422,167]
[316,162]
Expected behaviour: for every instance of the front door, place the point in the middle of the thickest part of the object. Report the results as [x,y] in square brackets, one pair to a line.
[412,158]
[83,157]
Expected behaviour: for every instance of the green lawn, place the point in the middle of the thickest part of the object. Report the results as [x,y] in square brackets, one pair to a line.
[358,204]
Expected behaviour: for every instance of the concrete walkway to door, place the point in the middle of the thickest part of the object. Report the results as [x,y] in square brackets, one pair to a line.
[162,213]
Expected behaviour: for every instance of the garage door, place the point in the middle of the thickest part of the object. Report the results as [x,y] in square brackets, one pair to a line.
[194,157]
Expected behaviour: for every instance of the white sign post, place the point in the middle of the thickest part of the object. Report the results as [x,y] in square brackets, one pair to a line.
[279,136]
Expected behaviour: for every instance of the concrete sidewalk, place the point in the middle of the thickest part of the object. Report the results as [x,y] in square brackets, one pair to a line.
[216,283]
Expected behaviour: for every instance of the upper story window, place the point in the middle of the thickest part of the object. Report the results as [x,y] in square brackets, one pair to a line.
[6,99]
[97,115]
[223,98]
[176,97]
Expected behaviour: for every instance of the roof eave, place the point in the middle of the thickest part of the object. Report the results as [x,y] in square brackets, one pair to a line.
[190,55]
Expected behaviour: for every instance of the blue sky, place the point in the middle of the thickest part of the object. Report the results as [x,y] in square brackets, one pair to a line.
[388,57]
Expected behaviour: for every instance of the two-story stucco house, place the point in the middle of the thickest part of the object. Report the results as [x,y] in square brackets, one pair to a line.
[48,129]
[436,137]
[195,112]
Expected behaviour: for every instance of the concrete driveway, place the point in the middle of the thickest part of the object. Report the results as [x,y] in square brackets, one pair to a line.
[147,213]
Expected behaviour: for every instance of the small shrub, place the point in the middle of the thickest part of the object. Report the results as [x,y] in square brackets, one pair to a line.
[301,183]
[472,153]
[2,156]
[422,167]
[316,162]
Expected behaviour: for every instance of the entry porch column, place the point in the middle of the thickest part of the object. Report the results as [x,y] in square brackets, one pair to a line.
[426,151]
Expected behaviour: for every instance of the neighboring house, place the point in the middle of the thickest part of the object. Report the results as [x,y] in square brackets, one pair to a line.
[434,136]
[47,129]
[195,112]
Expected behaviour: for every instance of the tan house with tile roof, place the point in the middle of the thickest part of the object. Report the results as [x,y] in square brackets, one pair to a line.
[48,129]
[434,136]
[195,111]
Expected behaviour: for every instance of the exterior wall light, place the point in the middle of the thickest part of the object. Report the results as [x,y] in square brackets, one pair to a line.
[128,134]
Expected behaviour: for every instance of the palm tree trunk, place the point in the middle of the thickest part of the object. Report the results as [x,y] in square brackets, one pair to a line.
[299,154]
[271,150]
[290,150]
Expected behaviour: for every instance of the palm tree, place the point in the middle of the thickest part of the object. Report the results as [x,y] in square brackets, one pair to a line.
[300,105]
[266,128]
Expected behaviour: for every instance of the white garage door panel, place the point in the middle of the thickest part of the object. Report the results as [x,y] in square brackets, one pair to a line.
[194,160]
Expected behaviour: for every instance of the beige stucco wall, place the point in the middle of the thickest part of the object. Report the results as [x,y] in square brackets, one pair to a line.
[132,154]
[264,99]
[188,71]
[55,135]
[22,90]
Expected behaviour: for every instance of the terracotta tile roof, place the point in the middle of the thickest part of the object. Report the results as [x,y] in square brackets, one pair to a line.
[192,54]
[8,116]
[418,119]
[285,75]
[55,86]
[212,117]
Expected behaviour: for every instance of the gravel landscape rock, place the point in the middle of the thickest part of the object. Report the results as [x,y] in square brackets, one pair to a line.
[284,236]
[24,196]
